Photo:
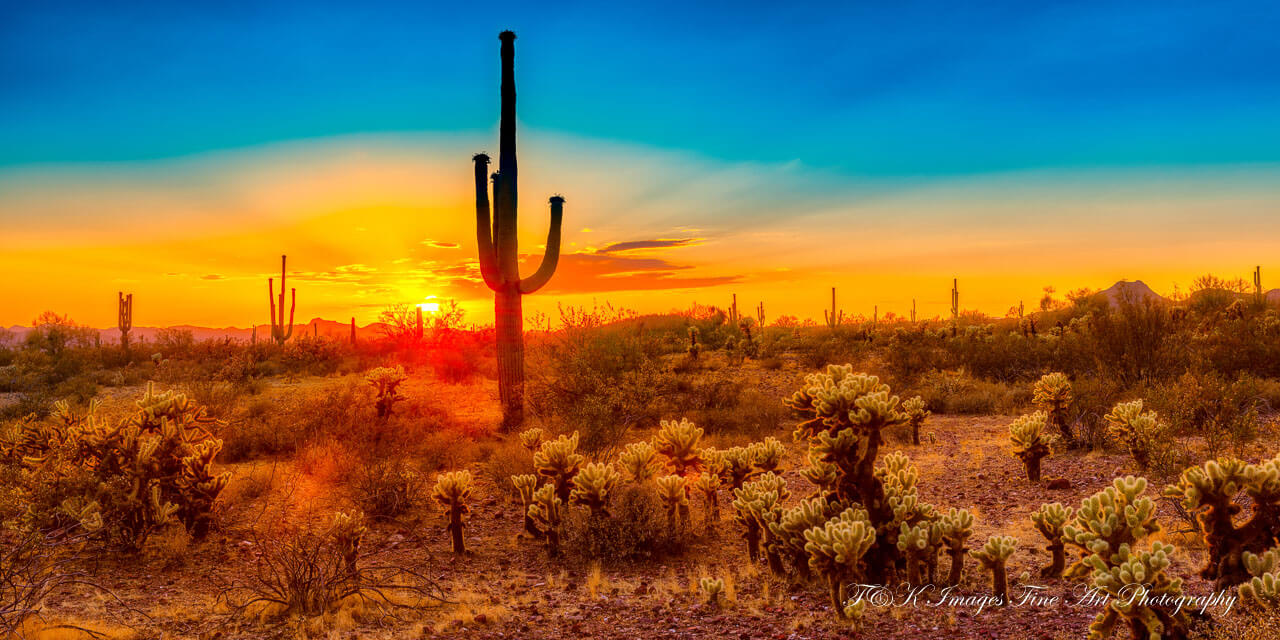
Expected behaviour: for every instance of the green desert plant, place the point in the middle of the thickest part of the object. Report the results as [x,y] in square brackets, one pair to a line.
[1049,520]
[498,249]
[640,462]
[1030,442]
[919,544]
[280,331]
[1210,491]
[1141,432]
[593,486]
[758,505]
[531,439]
[956,528]
[1052,394]
[917,413]
[1109,527]
[385,382]
[559,461]
[674,491]
[1264,587]
[712,588]
[836,551]
[994,557]
[452,491]
[678,442]
[708,484]
[526,485]
[546,512]
[737,465]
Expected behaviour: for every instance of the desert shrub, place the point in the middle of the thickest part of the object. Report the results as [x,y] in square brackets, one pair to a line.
[386,488]
[1206,404]
[753,415]
[509,458]
[958,393]
[635,528]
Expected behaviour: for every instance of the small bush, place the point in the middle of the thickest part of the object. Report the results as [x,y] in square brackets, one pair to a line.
[636,527]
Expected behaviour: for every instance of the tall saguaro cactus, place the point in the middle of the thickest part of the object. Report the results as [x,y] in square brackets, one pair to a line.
[279,330]
[499,255]
[835,316]
[1257,285]
[955,305]
[125,319]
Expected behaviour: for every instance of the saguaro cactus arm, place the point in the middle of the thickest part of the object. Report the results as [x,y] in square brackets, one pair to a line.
[484,228]
[551,256]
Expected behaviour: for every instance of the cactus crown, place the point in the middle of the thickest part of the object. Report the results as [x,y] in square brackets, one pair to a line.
[531,439]
[1028,432]
[767,456]
[1052,391]
[916,410]
[996,551]
[525,485]
[1050,519]
[593,485]
[559,457]
[836,548]
[452,489]
[672,490]
[678,441]
[640,462]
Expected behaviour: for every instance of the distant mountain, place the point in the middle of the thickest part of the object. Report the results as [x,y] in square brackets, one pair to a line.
[1272,295]
[317,326]
[1136,291]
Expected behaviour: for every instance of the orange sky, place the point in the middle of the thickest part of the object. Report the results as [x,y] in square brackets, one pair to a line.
[371,221]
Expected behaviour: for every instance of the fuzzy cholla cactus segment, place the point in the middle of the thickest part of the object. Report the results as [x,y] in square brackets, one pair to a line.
[1031,442]
[1138,430]
[593,485]
[640,462]
[1264,587]
[680,443]
[1050,519]
[836,550]
[559,461]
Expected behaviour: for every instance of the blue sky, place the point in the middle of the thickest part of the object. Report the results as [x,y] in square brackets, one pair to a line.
[879,89]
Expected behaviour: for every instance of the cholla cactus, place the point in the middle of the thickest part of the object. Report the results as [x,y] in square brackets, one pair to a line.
[347,533]
[385,381]
[1030,442]
[1210,492]
[674,491]
[1049,520]
[1139,431]
[640,462]
[1108,527]
[822,475]
[767,456]
[593,485]
[525,485]
[678,441]
[788,530]
[694,348]
[558,460]
[712,588]
[836,550]
[758,505]
[531,439]
[1264,587]
[994,556]
[919,543]
[917,413]
[708,484]
[955,528]
[847,413]
[1052,394]
[737,465]
[451,491]
[546,514]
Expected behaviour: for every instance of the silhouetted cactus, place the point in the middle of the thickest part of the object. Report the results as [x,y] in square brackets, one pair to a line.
[994,557]
[1030,442]
[955,306]
[593,485]
[1141,432]
[733,312]
[640,462]
[1109,526]
[559,461]
[1211,491]
[451,491]
[917,413]
[836,551]
[679,441]
[546,512]
[353,331]
[498,249]
[385,382]
[1049,520]
[694,348]
[1052,394]
[1258,297]
[280,331]
[526,485]
[834,317]
[760,315]
[956,528]
[124,319]
[674,491]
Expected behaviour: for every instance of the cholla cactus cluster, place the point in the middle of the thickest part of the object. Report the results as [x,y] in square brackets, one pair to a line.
[1264,586]
[708,484]
[674,492]
[758,505]
[1139,431]
[531,439]
[679,443]
[385,382]
[1049,520]
[836,551]
[1210,491]
[559,461]
[1109,527]
[1030,442]
[994,557]
[917,412]
[547,515]
[347,532]
[526,485]
[451,491]
[593,486]
[128,480]
[640,462]
[712,588]
[1052,394]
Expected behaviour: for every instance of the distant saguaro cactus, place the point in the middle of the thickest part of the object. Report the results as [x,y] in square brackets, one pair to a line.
[760,314]
[1257,286]
[835,316]
[913,311]
[499,253]
[955,306]
[417,329]
[733,312]
[279,330]
[125,319]
[353,331]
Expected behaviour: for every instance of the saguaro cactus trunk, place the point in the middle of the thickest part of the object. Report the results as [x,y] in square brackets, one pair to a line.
[125,319]
[499,255]
[955,306]
[280,332]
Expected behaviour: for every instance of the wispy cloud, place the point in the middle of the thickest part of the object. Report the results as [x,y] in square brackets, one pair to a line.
[441,245]
[662,243]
